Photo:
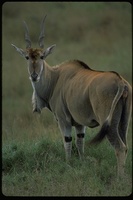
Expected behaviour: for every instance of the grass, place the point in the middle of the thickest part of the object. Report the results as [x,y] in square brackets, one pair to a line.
[38,169]
[33,157]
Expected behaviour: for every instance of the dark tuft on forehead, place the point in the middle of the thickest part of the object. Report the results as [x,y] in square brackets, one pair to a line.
[34,53]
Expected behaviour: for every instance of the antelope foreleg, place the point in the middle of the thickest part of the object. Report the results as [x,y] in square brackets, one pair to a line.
[80,144]
[68,147]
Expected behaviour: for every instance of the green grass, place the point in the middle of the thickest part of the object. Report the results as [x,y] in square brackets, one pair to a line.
[33,157]
[39,169]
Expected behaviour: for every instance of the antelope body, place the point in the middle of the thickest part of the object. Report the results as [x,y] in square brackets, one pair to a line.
[81,97]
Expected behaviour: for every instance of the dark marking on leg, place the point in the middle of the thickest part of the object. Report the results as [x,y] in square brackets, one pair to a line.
[68,139]
[80,135]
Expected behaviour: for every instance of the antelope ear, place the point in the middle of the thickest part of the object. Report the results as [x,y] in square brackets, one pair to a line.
[21,51]
[48,50]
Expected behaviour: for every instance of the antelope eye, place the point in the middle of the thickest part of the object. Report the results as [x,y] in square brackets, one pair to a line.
[27,57]
[42,57]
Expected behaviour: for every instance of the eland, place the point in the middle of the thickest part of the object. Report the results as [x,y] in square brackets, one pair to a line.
[80,97]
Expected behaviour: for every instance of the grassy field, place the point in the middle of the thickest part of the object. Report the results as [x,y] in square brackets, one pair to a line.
[33,157]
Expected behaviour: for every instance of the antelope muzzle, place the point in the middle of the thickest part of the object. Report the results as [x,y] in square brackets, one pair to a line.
[34,77]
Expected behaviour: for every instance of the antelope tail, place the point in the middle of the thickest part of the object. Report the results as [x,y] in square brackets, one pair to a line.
[105,127]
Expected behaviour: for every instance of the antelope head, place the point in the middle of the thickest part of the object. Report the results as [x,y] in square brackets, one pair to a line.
[34,56]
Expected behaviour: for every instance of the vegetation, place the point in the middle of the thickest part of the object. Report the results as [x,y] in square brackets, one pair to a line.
[33,157]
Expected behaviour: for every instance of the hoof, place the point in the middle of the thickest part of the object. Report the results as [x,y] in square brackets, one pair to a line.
[36,110]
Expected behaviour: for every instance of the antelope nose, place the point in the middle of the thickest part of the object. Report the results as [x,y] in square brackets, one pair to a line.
[34,76]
